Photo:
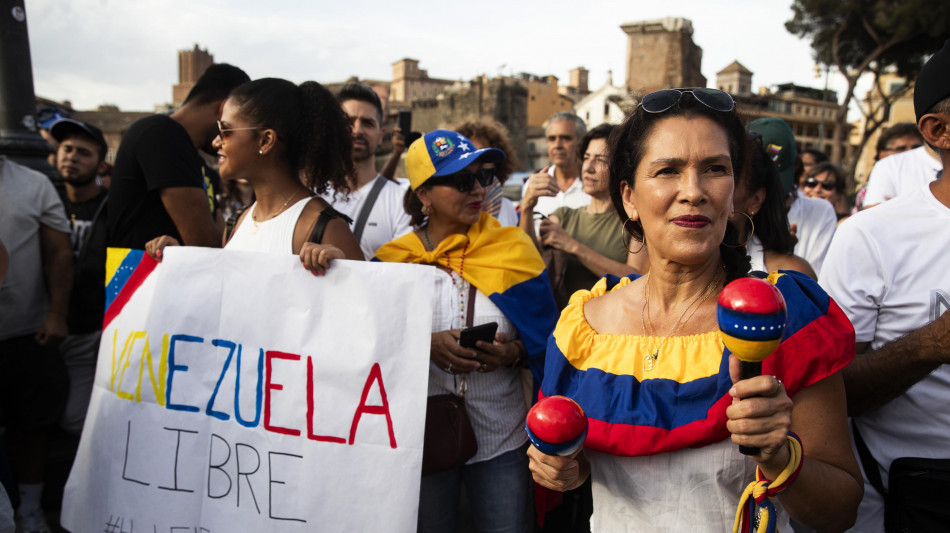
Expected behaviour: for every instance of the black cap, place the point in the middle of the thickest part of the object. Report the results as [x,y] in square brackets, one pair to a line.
[933,82]
[63,127]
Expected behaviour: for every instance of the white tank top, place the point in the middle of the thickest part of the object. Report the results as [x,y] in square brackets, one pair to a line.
[275,235]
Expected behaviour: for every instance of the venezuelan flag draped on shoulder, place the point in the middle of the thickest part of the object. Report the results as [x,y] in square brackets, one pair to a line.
[503,264]
[680,404]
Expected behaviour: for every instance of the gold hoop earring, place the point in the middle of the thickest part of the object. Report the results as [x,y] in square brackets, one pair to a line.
[623,237]
[748,237]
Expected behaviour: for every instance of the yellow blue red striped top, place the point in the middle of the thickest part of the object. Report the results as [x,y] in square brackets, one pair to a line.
[682,402]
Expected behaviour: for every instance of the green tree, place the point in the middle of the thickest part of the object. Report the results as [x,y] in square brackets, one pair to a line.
[870,37]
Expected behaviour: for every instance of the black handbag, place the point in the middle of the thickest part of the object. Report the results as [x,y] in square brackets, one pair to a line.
[918,495]
[449,438]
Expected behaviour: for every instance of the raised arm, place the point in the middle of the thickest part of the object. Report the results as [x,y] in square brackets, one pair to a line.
[538,185]
[399,146]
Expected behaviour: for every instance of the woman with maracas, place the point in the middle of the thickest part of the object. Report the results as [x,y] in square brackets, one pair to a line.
[644,358]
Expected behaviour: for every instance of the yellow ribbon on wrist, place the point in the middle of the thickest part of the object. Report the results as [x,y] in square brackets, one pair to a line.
[761,491]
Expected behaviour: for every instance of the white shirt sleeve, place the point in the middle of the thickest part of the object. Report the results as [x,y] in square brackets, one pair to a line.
[881,186]
[816,222]
[507,216]
[853,275]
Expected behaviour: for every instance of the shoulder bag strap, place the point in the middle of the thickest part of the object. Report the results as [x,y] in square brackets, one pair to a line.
[368,207]
[871,469]
[470,311]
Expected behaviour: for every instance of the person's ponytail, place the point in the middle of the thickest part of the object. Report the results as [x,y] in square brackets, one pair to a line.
[326,144]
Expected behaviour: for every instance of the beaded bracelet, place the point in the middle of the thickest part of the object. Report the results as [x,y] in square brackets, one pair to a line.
[762,491]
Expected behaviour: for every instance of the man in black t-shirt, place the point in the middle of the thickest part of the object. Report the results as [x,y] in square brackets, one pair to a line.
[160,184]
[80,158]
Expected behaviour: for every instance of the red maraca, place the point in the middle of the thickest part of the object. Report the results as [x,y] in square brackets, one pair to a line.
[751,315]
[557,425]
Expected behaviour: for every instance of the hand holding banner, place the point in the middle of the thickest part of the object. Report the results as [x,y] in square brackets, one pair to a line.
[236,392]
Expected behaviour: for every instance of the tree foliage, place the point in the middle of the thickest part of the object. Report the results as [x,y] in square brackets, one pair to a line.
[861,37]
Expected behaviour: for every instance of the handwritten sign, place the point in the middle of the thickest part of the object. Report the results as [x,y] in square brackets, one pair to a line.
[237,392]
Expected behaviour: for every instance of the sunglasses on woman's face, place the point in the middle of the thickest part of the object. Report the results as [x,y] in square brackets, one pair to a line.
[465,181]
[826,185]
[661,101]
[225,131]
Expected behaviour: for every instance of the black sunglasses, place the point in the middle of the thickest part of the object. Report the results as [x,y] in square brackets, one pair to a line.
[661,101]
[465,181]
[826,185]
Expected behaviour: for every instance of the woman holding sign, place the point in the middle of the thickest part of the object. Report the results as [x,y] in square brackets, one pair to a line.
[287,141]
[643,356]
[490,277]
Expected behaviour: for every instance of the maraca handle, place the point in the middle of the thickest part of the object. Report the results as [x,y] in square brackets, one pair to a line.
[749,370]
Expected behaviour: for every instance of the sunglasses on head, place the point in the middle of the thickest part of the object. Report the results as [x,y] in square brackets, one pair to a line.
[662,101]
[826,185]
[465,181]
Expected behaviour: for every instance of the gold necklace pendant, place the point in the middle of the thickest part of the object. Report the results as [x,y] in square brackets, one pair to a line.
[649,360]
[255,227]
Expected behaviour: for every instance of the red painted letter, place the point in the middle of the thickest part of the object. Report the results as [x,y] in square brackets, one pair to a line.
[310,435]
[374,375]
[275,386]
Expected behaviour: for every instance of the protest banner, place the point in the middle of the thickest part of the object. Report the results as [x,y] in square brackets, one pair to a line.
[237,392]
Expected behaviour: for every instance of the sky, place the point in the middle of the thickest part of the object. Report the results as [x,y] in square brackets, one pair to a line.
[124,52]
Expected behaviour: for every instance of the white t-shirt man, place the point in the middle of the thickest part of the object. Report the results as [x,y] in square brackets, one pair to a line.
[900,173]
[816,222]
[387,220]
[887,269]
[573,197]
[28,202]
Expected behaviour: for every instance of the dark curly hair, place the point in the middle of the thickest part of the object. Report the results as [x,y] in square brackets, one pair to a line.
[496,135]
[627,146]
[310,124]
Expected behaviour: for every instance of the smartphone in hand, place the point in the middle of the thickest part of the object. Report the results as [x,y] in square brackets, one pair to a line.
[482,332]
[405,122]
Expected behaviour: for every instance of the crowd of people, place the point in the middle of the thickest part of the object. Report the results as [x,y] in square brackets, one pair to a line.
[603,283]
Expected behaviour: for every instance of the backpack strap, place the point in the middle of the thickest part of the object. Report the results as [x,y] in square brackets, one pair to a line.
[328,214]
[368,206]
[231,222]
